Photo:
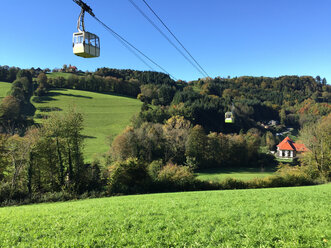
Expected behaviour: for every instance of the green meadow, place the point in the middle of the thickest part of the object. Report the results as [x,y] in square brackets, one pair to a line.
[244,174]
[278,217]
[4,89]
[65,75]
[105,115]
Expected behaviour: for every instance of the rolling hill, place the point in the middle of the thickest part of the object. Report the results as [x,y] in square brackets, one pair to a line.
[65,75]
[104,115]
[279,217]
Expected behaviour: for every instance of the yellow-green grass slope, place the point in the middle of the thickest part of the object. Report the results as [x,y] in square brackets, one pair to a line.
[4,89]
[105,115]
[278,217]
[65,75]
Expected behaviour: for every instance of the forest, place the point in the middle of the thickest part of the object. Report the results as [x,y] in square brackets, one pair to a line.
[179,130]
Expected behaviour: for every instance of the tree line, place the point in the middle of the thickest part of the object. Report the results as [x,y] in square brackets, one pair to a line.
[105,80]
[179,142]
[47,158]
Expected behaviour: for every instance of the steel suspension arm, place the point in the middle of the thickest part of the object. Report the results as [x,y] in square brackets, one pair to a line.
[84,7]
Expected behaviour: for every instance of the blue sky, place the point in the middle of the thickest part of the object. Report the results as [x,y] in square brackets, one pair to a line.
[227,37]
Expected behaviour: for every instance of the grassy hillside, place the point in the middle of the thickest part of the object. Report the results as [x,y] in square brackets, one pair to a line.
[4,88]
[245,174]
[60,74]
[279,217]
[105,115]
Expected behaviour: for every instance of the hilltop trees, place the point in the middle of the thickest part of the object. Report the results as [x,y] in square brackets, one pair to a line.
[8,74]
[258,99]
[202,102]
[16,107]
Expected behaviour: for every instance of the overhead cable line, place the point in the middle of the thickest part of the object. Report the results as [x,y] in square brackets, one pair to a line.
[129,48]
[127,43]
[124,42]
[167,38]
[175,37]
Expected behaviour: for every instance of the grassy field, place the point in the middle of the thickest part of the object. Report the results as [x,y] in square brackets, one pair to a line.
[285,160]
[279,217]
[60,74]
[245,174]
[4,88]
[105,115]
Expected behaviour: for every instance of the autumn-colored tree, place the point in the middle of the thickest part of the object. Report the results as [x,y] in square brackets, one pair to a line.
[318,140]
[217,150]
[195,147]
[124,145]
[176,131]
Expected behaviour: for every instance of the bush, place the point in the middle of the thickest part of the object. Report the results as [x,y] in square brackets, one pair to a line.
[174,177]
[231,183]
[53,197]
[292,176]
[286,176]
[258,183]
[129,177]
[10,197]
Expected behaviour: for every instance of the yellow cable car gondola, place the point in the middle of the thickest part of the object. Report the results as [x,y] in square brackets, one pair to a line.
[229,118]
[85,44]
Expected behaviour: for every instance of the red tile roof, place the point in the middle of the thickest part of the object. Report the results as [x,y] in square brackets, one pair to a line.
[300,147]
[288,144]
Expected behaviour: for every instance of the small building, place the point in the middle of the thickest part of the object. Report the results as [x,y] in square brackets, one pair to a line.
[288,149]
[72,68]
[273,123]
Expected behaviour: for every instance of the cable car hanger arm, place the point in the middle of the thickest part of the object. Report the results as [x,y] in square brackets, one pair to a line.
[84,7]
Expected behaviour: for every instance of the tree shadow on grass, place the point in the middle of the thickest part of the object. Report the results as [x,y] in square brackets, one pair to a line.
[49,109]
[79,96]
[88,137]
[51,96]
